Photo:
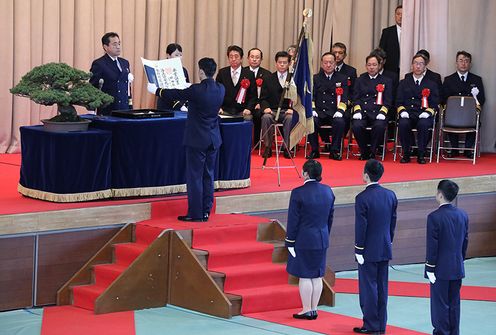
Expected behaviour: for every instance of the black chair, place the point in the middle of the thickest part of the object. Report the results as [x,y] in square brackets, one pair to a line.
[461,116]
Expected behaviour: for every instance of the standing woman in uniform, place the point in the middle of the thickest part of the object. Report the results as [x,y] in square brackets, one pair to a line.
[311,209]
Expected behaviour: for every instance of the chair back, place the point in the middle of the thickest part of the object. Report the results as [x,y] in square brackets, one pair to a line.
[460,112]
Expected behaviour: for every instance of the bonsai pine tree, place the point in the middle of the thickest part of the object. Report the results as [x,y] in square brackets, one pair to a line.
[61,84]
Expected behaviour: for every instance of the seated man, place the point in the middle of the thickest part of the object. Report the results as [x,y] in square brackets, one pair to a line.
[417,101]
[272,89]
[239,83]
[463,83]
[431,75]
[330,94]
[372,97]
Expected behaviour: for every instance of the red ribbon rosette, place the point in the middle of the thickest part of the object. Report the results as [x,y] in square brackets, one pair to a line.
[259,82]
[339,93]
[240,97]
[379,88]
[425,94]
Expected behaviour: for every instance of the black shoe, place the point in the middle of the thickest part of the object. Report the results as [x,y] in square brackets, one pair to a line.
[286,154]
[372,156]
[452,154]
[190,219]
[327,148]
[405,159]
[315,315]
[336,156]
[361,330]
[421,159]
[313,154]
[469,154]
[304,316]
[205,217]
[267,153]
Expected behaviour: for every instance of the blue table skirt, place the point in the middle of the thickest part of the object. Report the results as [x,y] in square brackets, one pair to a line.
[138,158]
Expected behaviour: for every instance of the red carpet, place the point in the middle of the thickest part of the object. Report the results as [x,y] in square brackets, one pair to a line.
[344,173]
[419,290]
[327,323]
[248,266]
[63,320]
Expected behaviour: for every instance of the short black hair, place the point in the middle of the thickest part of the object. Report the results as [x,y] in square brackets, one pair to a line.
[173,47]
[374,169]
[425,53]
[464,53]
[339,45]
[448,188]
[208,66]
[398,7]
[327,54]
[252,49]
[280,54]
[380,54]
[235,48]
[417,55]
[106,38]
[372,56]
[314,169]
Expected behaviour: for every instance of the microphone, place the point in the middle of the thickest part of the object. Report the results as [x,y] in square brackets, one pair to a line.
[100,83]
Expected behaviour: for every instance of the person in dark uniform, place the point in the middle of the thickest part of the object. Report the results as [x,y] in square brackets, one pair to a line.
[255,57]
[390,42]
[375,221]
[417,103]
[310,214]
[173,50]
[339,51]
[372,98]
[330,94]
[463,83]
[239,83]
[111,74]
[201,137]
[447,240]
[429,74]
[272,89]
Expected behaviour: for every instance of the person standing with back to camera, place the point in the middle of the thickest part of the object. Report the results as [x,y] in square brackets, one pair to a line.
[310,215]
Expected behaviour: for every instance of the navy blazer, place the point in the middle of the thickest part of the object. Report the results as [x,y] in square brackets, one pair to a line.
[204,101]
[432,76]
[229,104]
[310,214]
[453,86]
[389,43]
[324,93]
[375,221]
[447,241]
[409,95]
[114,81]
[351,73]
[365,94]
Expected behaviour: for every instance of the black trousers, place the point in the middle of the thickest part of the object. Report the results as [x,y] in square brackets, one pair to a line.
[405,127]
[374,137]
[337,132]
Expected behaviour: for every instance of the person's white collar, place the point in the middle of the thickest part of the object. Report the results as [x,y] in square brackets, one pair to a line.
[418,78]
[445,203]
[254,69]
[373,76]
[306,181]
[112,57]
[372,183]
[462,74]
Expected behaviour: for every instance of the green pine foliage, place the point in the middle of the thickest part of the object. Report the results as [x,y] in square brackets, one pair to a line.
[61,84]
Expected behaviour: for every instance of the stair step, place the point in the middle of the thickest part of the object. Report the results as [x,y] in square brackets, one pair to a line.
[105,274]
[84,296]
[221,235]
[126,253]
[274,297]
[146,234]
[236,301]
[250,276]
[238,253]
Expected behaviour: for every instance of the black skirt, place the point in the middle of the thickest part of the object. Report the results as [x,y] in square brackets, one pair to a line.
[308,263]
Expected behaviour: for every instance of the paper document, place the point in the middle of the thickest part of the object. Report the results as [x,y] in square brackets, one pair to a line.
[165,73]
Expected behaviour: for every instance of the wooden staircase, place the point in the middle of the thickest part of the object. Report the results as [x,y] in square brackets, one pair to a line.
[133,271]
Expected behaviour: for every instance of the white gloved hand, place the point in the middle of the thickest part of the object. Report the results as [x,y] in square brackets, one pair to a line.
[314,113]
[184,108]
[359,259]
[337,114]
[424,115]
[380,117]
[432,277]
[130,77]
[357,116]
[404,115]
[474,91]
[152,88]
[292,251]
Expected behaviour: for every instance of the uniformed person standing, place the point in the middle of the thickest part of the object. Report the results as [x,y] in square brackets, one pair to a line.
[372,98]
[417,102]
[330,93]
[375,221]
[447,240]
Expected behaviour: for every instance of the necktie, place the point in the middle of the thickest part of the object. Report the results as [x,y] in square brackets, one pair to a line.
[281,80]
[234,77]
[417,82]
[337,69]
[329,77]
[463,78]
[118,65]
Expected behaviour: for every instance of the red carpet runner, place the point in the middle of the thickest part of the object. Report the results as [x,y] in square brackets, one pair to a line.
[327,323]
[419,290]
[248,266]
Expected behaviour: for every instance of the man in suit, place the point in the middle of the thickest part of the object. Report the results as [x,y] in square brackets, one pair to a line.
[201,137]
[375,221]
[390,42]
[239,83]
[431,75]
[447,240]
[111,74]
[272,90]
[330,94]
[310,215]
[255,57]
[417,102]
[372,99]
[463,83]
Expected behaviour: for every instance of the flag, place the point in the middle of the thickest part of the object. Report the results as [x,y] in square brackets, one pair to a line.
[302,123]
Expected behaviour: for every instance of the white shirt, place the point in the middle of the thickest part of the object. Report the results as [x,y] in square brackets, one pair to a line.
[419,79]
[306,181]
[282,77]
[338,67]
[398,31]
[373,76]
[236,72]
[462,74]
[372,183]
[254,70]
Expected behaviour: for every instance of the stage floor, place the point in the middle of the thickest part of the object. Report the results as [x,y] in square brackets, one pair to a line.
[263,181]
